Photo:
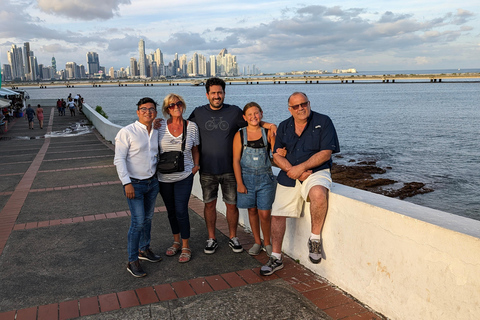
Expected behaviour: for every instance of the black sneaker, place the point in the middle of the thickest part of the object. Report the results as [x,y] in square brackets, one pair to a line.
[149,256]
[211,246]
[315,250]
[136,269]
[235,245]
[272,265]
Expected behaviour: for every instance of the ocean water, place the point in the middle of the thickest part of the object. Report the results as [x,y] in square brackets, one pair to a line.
[426,132]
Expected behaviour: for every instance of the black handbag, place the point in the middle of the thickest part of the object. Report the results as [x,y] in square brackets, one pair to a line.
[173,161]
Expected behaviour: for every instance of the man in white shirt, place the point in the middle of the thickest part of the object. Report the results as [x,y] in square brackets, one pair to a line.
[136,153]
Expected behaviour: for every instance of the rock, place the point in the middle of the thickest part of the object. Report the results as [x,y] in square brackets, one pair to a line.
[360,177]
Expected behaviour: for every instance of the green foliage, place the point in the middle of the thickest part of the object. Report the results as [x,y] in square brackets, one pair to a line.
[101,112]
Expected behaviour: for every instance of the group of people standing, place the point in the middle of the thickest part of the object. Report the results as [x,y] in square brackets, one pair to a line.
[72,103]
[229,148]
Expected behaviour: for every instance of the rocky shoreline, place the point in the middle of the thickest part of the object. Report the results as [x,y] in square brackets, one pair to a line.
[360,176]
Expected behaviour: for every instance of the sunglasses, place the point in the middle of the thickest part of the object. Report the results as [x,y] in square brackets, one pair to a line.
[303,105]
[179,105]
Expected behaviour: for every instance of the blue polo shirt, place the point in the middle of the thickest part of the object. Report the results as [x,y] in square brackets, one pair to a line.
[319,134]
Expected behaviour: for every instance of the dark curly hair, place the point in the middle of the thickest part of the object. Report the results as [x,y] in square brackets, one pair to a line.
[214,82]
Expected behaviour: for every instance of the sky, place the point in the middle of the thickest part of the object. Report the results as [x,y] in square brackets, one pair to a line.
[275,36]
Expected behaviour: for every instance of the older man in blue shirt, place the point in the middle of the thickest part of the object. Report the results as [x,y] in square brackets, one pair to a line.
[309,139]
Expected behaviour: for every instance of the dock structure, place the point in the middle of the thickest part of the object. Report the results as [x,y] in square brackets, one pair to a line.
[265,80]
[63,245]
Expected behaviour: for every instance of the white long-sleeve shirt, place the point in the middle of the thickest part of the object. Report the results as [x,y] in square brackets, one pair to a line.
[136,152]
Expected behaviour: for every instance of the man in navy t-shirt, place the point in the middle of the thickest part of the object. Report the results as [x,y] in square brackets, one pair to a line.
[217,123]
[309,139]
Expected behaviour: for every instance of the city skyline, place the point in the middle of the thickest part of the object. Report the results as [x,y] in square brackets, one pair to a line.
[278,36]
[23,66]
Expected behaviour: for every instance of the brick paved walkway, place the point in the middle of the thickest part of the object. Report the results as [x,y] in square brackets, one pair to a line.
[63,225]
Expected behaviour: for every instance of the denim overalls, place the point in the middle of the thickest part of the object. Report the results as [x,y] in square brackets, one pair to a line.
[257,176]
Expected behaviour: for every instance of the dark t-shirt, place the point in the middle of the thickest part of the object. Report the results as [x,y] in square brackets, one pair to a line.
[318,135]
[217,129]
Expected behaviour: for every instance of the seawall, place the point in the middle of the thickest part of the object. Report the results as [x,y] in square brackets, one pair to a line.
[403,260]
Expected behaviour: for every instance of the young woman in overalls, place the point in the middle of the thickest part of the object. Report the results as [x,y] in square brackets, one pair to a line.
[253,172]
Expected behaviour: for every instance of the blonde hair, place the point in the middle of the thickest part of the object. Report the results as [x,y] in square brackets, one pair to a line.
[168,99]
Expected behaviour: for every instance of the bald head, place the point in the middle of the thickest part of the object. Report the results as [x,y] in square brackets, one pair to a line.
[295,94]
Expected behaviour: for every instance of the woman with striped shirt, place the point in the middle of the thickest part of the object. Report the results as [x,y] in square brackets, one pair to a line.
[175,188]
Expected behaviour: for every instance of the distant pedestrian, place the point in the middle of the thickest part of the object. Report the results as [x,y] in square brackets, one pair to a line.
[40,116]
[64,107]
[80,103]
[30,116]
[71,106]
[59,107]
[136,153]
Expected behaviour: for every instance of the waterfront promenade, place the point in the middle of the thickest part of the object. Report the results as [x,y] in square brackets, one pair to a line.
[63,227]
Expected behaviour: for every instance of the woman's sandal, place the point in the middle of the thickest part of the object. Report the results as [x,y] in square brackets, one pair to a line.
[185,256]
[173,250]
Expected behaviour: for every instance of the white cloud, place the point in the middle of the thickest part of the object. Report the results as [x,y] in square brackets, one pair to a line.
[82,9]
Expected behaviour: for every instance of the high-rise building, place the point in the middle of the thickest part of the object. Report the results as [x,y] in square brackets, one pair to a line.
[27,63]
[40,71]
[182,61]
[70,70]
[93,63]
[15,58]
[158,57]
[213,66]
[195,64]
[226,64]
[7,72]
[46,73]
[33,67]
[54,65]
[133,67]
[142,65]
[82,74]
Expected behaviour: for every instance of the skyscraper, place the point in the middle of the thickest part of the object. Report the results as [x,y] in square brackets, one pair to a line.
[133,67]
[195,64]
[54,65]
[27,64]
[213,66]
[142,66]
[93,63]
[15,58]
[71,70]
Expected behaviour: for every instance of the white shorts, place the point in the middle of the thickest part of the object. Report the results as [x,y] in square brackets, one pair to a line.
[289,200]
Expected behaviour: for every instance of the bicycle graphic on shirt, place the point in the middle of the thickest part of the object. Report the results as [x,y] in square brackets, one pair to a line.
[216,123]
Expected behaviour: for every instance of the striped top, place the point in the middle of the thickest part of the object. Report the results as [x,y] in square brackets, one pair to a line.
[168,142]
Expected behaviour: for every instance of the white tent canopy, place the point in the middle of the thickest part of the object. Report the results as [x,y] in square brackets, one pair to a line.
[4,103]
[7,93]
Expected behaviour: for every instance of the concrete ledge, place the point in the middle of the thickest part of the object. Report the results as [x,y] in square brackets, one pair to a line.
[107,129]
[403,260]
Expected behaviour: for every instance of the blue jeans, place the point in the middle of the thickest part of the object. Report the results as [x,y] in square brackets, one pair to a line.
[141,211]
[175,195]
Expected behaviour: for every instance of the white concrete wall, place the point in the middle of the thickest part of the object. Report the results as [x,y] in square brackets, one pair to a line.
[107,129]
[403,260]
